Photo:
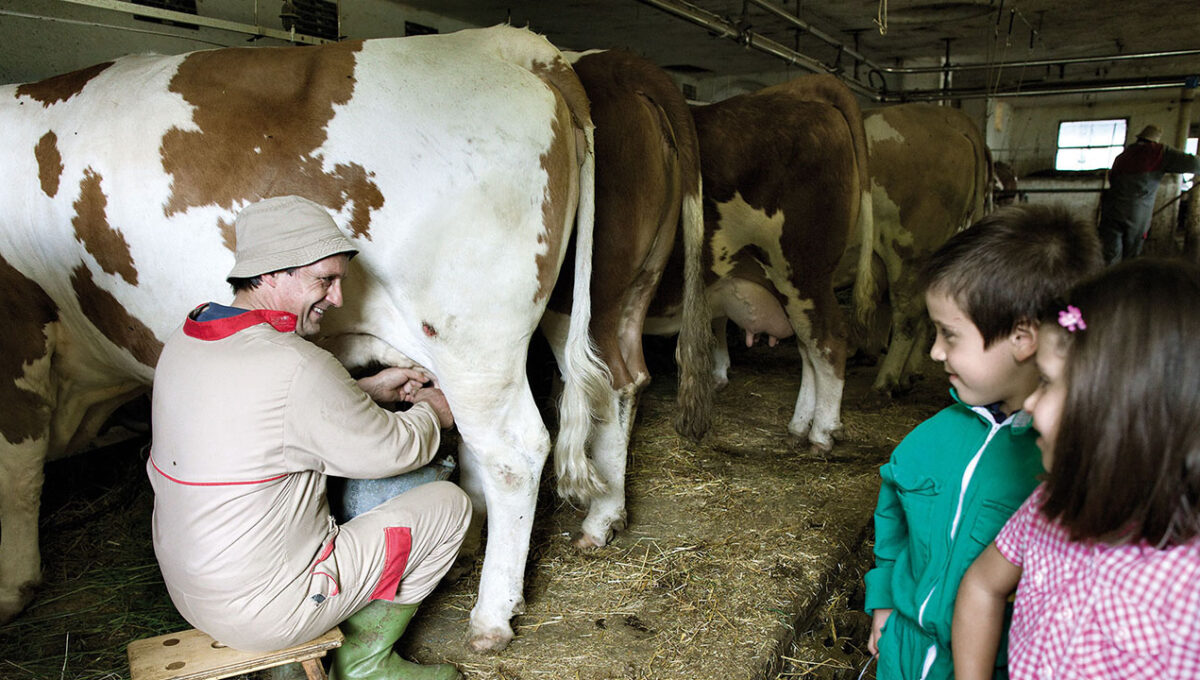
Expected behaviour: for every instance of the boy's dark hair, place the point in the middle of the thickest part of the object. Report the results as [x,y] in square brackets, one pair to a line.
[1007,267]
[1127,453]
[252,282]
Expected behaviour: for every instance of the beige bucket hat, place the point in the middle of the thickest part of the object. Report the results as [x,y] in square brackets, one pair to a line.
[1151,133]
[283,232]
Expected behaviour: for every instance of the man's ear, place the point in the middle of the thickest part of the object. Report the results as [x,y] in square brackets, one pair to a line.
[1024,339]
[270,278]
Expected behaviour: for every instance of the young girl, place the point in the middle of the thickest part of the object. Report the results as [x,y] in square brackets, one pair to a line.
[1106,550]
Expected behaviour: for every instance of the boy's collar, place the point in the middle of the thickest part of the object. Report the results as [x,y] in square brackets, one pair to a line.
[1019,420]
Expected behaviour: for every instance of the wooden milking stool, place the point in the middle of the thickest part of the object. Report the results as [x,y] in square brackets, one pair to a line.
[192,655]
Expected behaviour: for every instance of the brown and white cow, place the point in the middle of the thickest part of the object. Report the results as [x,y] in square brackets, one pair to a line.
[785,182]
[647,183]
[929,179]
[454,162]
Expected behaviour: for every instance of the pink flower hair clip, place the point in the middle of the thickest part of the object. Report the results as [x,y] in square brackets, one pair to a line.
[1071,319]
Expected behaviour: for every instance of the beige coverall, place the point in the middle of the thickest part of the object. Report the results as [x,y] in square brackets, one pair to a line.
[248,420]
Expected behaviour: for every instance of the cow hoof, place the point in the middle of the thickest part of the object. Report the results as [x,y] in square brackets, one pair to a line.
[490,642]
[12,604]
[585,541]
[820,449]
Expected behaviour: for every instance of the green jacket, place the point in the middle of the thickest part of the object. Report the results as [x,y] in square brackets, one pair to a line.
[949,487]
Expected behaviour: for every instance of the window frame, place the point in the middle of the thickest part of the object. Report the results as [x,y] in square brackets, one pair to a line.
[1101,160]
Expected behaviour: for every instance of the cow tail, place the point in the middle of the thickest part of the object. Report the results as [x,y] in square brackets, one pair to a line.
[587,386]
[865,286]
[694,355]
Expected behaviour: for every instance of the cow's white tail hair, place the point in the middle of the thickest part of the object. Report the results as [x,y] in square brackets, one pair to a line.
[694,354]
[865,286]
[587,385]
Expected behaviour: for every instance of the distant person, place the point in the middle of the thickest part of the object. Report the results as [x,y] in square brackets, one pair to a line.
[953,481]
[1105,554]
[1128,204]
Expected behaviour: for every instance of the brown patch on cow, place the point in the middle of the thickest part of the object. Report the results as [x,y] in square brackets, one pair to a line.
[228,235]
[261,115]
[106,244]
[50,165]
[560,76]
[27,310]
[61,88]
[111,318]
[558,162]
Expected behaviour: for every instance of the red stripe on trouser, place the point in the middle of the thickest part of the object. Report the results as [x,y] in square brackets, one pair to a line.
[399,545]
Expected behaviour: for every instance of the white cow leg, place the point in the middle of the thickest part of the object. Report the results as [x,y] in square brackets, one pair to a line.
[21,475]
[827,417]
[806,399]
[506,465]
[610,448]
[469,466]
[720,354]
[818,414]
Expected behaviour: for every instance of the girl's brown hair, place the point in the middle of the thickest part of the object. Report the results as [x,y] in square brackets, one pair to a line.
[1127,455]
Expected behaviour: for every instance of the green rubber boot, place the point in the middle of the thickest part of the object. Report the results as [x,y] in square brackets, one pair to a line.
[367,652]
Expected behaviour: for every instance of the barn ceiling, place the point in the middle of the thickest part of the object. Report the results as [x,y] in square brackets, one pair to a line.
[1024,46]
[728,36]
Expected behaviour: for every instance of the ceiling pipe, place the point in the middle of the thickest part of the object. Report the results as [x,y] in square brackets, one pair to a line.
[1162,83]
[207,22]
[725,29]
[1039,62]
[814,32]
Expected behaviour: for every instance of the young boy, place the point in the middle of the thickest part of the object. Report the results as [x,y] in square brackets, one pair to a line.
[955,479]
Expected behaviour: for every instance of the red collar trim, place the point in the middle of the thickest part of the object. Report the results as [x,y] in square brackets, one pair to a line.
[284,322]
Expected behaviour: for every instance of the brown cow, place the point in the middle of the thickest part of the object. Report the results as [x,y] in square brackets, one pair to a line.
[929,179]
[785,181]
[647,182]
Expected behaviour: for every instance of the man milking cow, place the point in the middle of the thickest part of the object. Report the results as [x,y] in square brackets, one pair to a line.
[249,418]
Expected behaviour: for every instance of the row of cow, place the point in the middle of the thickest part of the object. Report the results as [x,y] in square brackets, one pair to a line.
[465,167]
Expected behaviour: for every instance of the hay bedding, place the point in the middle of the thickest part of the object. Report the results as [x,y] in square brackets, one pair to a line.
[743,556]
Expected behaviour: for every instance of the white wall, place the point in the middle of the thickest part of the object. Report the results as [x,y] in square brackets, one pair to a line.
[59,37]
[1024,132]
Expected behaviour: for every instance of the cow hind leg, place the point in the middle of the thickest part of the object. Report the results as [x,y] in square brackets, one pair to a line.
[610,446]
[817,415]
[21,475]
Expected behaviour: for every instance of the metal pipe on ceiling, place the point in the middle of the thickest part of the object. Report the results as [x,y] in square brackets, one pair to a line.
[207,22]
[814,32]
[1039,62]
[725,29]
[1163,83]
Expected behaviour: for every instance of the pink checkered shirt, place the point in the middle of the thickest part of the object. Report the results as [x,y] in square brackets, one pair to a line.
[1094,612]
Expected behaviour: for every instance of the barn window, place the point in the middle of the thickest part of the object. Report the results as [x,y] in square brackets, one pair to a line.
[1089,144]
[1190,147]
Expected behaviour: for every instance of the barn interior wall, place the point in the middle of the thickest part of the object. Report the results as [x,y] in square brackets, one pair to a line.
[43,27]
[1024,132]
